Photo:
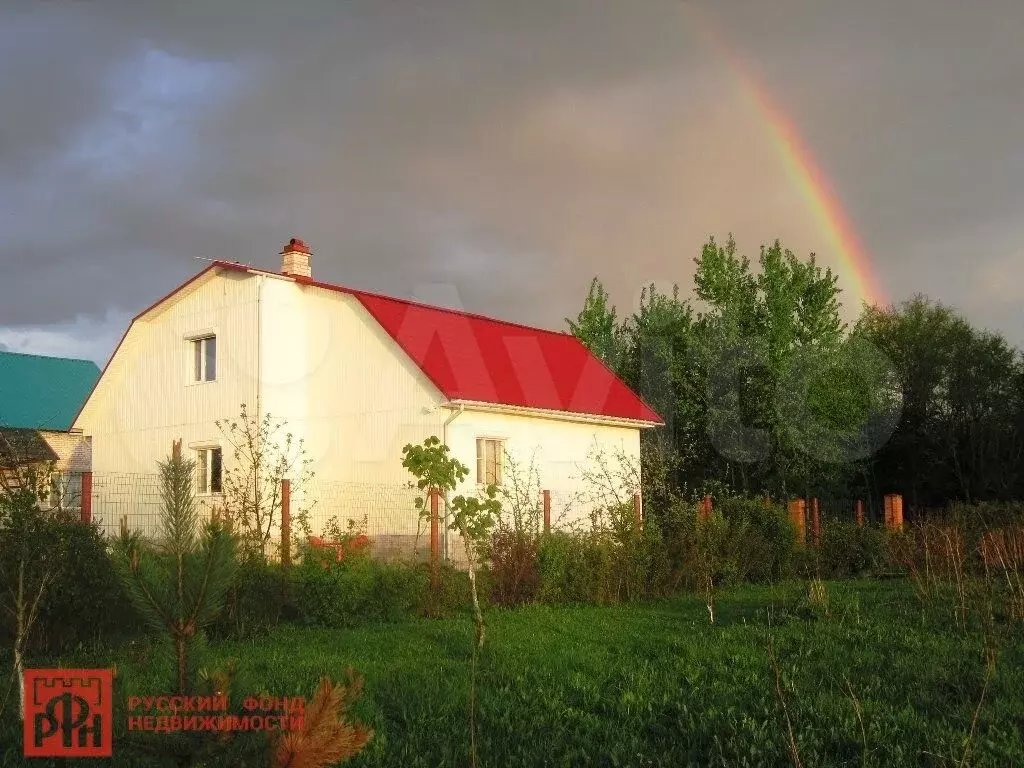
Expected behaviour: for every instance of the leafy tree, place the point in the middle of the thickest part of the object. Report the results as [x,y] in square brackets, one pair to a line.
[660,363]
[959,437]
[597,326]
[759,334]
[262,458]
[437,472]
[745,383]
[179,587]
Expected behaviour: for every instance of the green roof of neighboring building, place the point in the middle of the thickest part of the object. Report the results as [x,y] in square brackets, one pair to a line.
[43,392]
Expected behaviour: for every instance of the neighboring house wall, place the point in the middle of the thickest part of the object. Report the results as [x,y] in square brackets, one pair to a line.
[74,451]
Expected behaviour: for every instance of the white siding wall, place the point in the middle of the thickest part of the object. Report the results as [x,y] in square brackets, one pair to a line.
[343,385]
[147,397]
[559,450]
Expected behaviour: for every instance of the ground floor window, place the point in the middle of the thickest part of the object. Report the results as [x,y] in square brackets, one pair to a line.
[209,470]
[489,455]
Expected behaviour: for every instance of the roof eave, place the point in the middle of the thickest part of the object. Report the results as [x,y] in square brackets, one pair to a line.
[556,415]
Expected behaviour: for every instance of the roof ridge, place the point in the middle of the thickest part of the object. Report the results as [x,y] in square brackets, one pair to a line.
[302,280]
[453,311]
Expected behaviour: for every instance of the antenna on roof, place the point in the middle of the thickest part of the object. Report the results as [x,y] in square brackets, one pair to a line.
[201,258]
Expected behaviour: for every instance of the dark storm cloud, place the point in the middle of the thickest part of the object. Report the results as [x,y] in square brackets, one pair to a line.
[509,151]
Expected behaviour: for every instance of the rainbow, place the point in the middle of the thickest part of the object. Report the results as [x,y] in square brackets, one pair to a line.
[801,167]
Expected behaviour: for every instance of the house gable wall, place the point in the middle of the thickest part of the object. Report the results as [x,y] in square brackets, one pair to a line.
[146,397]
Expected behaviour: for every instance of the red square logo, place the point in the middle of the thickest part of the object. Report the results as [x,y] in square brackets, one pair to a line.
[68,712]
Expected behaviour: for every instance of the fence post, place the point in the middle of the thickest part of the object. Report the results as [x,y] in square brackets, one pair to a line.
[286,523]
[797,508]
[434,538]
[858,512]
[638,510]
[704,510]
[87,497]
[547,510]
[893,511]
[815,521]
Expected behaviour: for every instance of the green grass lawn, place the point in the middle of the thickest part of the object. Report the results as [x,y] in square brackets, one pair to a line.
[656,684]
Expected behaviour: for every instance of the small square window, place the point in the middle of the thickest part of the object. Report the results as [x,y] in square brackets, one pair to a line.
[489,459]
[204,359]
[209,471]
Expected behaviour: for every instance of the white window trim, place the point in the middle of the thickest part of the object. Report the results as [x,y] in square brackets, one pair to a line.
[503,442]
[190,369]
[208,446]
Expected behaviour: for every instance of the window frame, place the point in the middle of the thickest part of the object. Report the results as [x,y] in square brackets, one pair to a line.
[199,356]
[204,469]
[482,442]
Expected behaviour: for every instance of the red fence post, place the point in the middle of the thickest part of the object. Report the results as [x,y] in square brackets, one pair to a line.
[638,510]
[893,511]
[797,508]
[435,538]
[858,512]
[815,521]
[87,497]
[547,510]
[704,510]
[286,523]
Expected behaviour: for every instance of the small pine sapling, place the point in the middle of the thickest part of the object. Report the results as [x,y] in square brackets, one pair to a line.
[179,587]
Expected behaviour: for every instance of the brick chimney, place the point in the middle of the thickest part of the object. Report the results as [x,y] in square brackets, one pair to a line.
[295,258]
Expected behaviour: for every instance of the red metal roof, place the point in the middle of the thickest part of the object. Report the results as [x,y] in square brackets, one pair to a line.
[476,358]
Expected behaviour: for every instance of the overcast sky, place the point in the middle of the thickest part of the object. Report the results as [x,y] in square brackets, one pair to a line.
[494,154]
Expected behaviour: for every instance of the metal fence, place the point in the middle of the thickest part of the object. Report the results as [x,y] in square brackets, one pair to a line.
[386,513]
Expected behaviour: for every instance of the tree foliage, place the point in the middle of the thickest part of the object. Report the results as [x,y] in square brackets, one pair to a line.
[963,406]
[765,390]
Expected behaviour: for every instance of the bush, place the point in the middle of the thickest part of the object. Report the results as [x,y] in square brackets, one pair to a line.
[451,595]
[85,602]
[677,530]
[847,549]
[260,598]
[760,542]
[332,593]
[577,568]
[515,572]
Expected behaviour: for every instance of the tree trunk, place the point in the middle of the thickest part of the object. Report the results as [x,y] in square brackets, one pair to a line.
[478,616]
[179,653]
[19,670]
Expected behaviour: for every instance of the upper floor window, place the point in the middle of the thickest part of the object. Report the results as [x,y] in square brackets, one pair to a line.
[209,470]
[204,355]
[489,455]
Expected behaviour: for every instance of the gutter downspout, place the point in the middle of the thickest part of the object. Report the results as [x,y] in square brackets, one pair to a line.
[444,440]
[259,345]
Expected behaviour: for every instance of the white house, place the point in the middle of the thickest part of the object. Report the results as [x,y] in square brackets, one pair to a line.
[357,376]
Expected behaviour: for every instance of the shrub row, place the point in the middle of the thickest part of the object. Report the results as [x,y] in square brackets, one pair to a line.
[611,561]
